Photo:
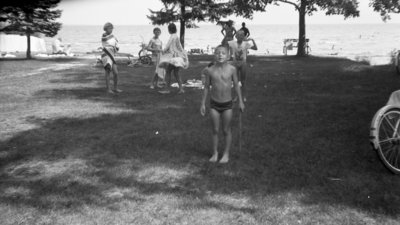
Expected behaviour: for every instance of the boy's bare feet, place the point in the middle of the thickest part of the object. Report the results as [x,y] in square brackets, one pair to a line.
[117,90]
[109,91]
[224,159]
[214,157]
[181,91]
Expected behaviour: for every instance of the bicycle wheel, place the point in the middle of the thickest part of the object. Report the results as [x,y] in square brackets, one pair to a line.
[385,136]
[146,60]
[397,62]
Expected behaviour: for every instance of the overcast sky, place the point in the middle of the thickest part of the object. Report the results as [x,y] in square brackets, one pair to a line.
[133,12]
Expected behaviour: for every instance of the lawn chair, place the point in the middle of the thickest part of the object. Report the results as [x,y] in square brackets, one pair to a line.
[290,43]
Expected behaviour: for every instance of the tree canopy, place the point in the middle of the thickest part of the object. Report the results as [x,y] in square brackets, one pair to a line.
[29,17]
[385,7]
[188,13]
[347,8]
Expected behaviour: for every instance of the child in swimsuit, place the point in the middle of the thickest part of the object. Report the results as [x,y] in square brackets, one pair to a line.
[229,32]
[239,49]
[155,46]
[220,75]
[110,48]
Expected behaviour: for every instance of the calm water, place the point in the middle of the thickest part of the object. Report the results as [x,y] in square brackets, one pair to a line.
[342,40]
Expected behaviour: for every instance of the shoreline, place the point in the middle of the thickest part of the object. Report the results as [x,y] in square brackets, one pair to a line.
[272,24]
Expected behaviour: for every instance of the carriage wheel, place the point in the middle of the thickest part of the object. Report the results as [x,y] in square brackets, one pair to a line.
[146,60]
[140,53]
[385,135]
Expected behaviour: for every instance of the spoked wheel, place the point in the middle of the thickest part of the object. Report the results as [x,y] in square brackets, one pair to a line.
[146,60]
[397,62]
[385,136]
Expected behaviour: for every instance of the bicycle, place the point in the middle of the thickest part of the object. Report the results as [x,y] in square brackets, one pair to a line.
[385,133]
[144,56]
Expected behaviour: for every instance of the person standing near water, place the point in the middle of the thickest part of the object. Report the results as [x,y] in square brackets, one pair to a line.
[239,51]
[110,48]
[229,32]
[245,30]
[172,59]
[155,46]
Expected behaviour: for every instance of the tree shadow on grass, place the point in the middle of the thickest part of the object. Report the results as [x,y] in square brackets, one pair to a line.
[299,137]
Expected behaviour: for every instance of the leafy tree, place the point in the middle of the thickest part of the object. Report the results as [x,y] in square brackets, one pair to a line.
[347,8]
[385,7]
[188,12]
[29,17]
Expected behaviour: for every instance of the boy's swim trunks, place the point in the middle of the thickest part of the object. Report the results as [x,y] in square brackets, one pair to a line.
[221,107]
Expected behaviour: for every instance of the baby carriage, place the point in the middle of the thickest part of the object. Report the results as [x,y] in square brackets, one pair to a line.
[385,133]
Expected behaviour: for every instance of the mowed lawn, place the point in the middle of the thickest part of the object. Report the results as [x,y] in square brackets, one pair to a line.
[72,154]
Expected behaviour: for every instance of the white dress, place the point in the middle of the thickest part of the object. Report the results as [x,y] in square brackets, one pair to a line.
[174,54]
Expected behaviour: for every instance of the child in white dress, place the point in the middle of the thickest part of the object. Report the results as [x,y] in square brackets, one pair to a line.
[173,58]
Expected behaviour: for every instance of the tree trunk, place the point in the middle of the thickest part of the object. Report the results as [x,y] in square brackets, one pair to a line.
[28,50]
[301,47]
[183,26]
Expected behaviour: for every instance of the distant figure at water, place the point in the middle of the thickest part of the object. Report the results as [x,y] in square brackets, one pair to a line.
[245,30]
[228,31]
[60,48]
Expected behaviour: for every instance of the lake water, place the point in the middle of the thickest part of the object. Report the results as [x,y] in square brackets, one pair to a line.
[376,40]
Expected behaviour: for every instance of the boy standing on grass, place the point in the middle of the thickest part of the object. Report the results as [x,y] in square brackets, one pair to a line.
[110,48]
[220,76]
[239,49]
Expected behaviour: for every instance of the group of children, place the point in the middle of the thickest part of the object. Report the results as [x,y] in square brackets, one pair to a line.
[219,76]
[168,61]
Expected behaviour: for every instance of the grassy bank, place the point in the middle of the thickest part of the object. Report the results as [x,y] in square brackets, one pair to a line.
[72,154]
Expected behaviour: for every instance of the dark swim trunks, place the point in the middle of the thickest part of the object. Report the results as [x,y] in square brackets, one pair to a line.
[221,107]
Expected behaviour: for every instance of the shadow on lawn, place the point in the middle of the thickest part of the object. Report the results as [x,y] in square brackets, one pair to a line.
[298,144]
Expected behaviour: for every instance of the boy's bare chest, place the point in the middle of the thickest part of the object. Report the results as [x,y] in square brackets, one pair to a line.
[221,76]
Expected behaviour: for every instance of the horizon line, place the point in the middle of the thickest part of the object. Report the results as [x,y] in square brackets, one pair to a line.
[257,24]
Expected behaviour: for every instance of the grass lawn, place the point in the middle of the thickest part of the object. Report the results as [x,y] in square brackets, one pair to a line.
[72,154]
